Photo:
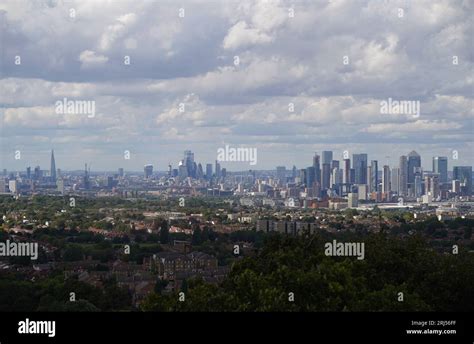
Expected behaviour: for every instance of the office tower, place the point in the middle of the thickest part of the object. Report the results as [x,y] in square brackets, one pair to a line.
[374,176]
[414,162]
[403,176]
[362,192]
[120,172]
[281,174]
[347,171]
[334,164]
[317,168]
[3,185]
[293,172]
[218,169]
[37,174]
[394,180]
[369,178]
[28,173]
[326,176]
[418,187]
[464,175]
[224,173]
[385,179]
[440,165]
[432,185]
[53,167]
[188,161]
[13,186]
[148,169]
[182,170]
[86,178]
[456,186]
[359,162]
[60,185]
[199,172]
[170,170]
[208,171]
[310,176]
[336,177]
[326,157]
[352,200]
[302,176]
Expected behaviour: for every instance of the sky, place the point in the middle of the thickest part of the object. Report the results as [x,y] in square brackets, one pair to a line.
[288,78]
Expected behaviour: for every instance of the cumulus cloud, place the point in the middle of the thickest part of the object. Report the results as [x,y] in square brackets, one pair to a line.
[283,59]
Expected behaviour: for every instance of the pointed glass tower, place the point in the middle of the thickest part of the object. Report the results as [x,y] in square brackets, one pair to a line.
[53,167]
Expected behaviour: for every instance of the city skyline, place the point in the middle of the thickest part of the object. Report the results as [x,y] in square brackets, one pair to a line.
[370,163]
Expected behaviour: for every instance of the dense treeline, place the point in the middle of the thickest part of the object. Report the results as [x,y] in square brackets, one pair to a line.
[429,280]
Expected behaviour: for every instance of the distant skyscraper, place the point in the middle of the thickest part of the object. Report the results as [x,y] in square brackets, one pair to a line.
[464,175]
[148,170]
[317,167]
[353,200]
[326,157]
[53,167]
[281,174]
[395,180]
[374,176]
[326,176]
[440,165]
[347,171]
[218,169]
[403,176]
[310,176]
[120,172]
[413,162]
[386,179]
[209,171]
[359,162]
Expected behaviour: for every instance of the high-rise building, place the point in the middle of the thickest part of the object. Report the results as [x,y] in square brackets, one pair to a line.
[394,180]
[60,185]
[310,176]
[281,174]
[148,170]
[317,168]
[13,186]
[374,176]
[53,167]
[218,169]
[120,172]
[464,175]
[386,179]
[413,165]
[208,171]
[362,192]
[359,162]
[347,171]
[326,157]
[440,165]
[326,176]
[403,176]
[334,164]
[352,200]
[432,185]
